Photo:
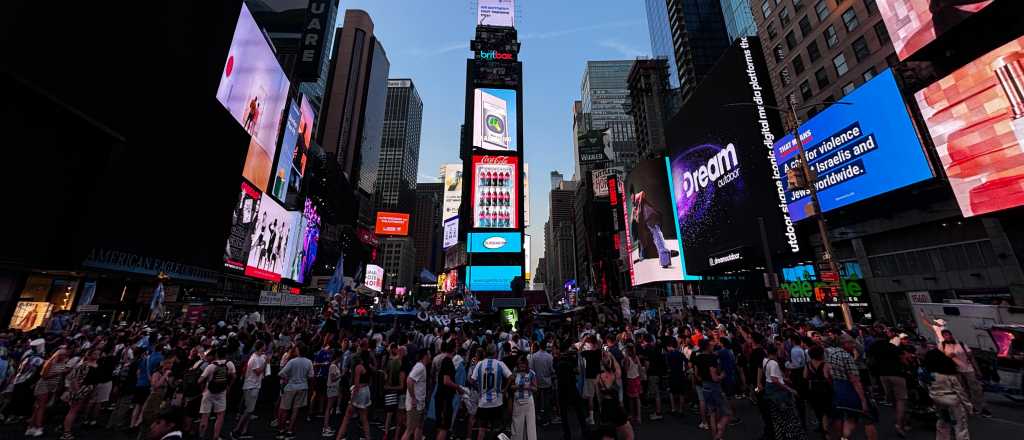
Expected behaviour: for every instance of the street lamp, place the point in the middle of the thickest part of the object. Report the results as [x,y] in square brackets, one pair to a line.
[810,181]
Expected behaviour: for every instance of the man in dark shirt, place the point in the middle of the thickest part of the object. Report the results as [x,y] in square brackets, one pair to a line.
[591,368]
[566,372]
[676,377]
[446,389]
[654,360]
[718,410]
[891,373]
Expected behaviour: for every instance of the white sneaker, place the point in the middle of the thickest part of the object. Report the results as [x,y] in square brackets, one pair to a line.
[590,420]
[656,417]
[327,432]
[703,425]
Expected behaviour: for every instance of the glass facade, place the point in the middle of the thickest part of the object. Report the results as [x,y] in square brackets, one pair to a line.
[661,37]
[738,20]
[373,118]
[400,147]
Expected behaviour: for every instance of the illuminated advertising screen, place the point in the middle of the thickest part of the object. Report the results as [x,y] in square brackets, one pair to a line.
[494,119]
[243,222]
[494,242]
[392,223]
[599,179]
[295,144]
[254,89]
[526,194]
[526,258]
[491,278]
[725,181]
[292,259]
[451,232]
[496,13]
[857,151]
[494,191]
[654,244]
[306,245]
[976,119]
[912,24]
[270,241]
[452,175]
[374,278]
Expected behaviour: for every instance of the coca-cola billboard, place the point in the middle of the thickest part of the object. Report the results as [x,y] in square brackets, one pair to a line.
[495,192]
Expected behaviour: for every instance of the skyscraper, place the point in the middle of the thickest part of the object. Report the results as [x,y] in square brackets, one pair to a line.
[699,38]
[650,98]
[739,22]
[604,92]
[661,37]
[400,148]
[426,226]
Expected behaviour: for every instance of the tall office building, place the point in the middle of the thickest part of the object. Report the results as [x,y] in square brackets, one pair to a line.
[399,262]
[650,99]
[661,37]
[560,233]
[699,38]
[426,226]
[604,92]
[818,51]
[400,148]
[739,22]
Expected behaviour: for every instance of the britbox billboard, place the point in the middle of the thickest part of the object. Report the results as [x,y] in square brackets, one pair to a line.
[723,174]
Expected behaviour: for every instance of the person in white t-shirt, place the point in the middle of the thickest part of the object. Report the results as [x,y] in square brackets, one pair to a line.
[217,378]
[416,396]
[255,370]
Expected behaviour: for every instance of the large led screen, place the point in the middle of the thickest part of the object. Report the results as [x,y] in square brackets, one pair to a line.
[306,243]
[253,88]
[243,221]
[451,232]
[653,231]
[374,277]
[976,119]
[494,242]
[270,240]
[724,182]
[857,151]
[494,119]
[295,144]
[392,223]
[452,175]
[494,192]
[912,24]
[491,278]
[496,13]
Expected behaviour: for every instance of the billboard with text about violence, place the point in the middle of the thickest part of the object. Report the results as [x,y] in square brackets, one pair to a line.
[976,120]
[861,147]
[494,119]
[392,223]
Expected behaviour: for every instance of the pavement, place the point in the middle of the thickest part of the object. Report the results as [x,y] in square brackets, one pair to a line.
[1007,422]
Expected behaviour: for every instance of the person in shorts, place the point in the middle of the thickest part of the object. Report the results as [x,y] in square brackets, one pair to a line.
[416,396]
[333,391]
[295,375]
[255,369]
[591,355]
[394,390]
[711,375]
[216,378]
[491,378]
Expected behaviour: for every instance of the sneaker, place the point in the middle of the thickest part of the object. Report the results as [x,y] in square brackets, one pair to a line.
[703,426]
[655,417]
[985,413]
[556,420]
[327,432]
[590,420]
[735,421]
[289,435]
[273,423]
[67,436]
[280,435]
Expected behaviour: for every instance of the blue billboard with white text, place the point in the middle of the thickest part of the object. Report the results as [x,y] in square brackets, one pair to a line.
[491,278]
[494,242]
[856,150]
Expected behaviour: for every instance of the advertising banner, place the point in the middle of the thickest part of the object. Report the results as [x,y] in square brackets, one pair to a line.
[494,242]
[591,145]
[374,277]
[912,24]
[270,240]
[526,194]
[857,151]
[654,244]
[724,176]
[269,298]
[254,89]
[311,41]
[491,278]
[295,144]
[243,223]
[451,174]
[494,192]
[599,179]
[496,13]
[451,232]
[527,264]
[494,119]
[392,223]
[976,119]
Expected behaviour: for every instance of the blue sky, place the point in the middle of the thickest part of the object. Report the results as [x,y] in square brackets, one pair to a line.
[428,41]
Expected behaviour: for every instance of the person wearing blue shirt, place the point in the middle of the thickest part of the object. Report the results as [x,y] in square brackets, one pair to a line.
[491,377]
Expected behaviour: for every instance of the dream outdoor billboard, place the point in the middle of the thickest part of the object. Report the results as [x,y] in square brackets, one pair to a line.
[976,119]
[722,164]
[857,151]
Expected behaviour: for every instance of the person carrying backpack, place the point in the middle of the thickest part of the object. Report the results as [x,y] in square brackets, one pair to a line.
[217,378]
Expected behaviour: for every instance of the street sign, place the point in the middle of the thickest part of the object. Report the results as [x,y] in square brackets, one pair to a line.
[829,276]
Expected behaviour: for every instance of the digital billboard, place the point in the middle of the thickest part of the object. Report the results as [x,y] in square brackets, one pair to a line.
[494,192]
[253,87]
[451,232]
[392,223]
[526,194]
[243,221]
[494,242]
[725,182]
[306,247]
[270,240]
[451,173]
[599,179]
[857,151]
[976,119]
[494,119]
[374,277]
[526,258]
[496,13]
[653,233]
[258,161]
[294,150]
[912,24]
[491,278]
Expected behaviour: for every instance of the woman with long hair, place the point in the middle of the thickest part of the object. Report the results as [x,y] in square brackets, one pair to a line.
[952,402]
[779,397]
[633,371]
[49,382]
[360,400]
[81,383]
[614,421]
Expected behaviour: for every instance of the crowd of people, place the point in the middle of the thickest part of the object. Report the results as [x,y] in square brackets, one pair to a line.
[596,378]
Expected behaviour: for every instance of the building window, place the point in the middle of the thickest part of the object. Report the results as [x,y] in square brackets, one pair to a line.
[861,49]
[848,88]
[791,40]
[805,90]
[840,63]
[780,54]
[821,8]
[831,37]
[868,74]
[821,77]
[805,26]
[797,4]
[784,17]
[766,8]
[812,51]
[772,32]
[850,19]
[870,6]
[798,64]
[881,33]
[784,77]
